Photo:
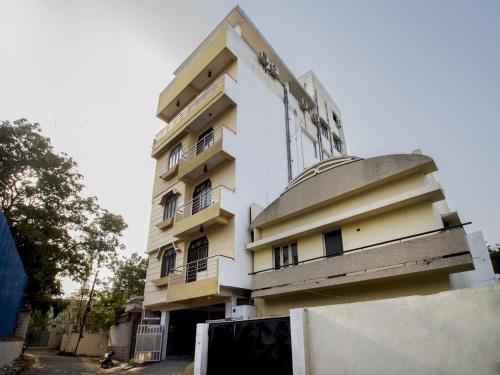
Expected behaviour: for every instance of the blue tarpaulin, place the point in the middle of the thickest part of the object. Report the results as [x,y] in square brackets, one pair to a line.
[13,280]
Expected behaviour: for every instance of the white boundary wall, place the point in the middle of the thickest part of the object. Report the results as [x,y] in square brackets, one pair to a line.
[455,332]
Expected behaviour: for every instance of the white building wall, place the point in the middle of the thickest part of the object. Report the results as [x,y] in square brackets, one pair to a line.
[261,161]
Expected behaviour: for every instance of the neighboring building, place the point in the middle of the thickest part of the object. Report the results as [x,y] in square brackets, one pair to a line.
[122,335]
[239,127]
[351,229]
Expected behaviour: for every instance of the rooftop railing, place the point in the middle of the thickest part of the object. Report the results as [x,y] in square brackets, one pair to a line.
[191,107]
[200,202]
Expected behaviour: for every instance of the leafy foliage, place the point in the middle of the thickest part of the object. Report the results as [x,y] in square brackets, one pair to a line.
[495,257]
[57,231]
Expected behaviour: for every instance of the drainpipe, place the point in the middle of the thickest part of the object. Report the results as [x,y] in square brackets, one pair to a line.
[287,126]
[318,130]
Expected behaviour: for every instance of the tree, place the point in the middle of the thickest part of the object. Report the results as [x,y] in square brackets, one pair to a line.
[494,251]
[57,231]
[128,281]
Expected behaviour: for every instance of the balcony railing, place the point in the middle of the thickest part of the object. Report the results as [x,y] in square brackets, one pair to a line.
[199,203]
[204,143]
[366,247]
[201,269]
[191,107]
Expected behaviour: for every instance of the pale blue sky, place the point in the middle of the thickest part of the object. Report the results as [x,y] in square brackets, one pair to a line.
[406,75]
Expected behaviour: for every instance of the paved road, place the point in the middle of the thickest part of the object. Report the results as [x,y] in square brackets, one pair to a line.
[48,363]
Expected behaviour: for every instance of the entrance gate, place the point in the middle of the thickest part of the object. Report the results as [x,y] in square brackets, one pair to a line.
[249,347]
[148,343]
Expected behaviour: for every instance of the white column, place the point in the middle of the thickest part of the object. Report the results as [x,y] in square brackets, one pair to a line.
[164,321]
[201,349]
[298,332]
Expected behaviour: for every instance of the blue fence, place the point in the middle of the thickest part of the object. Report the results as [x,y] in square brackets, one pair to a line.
[13,280]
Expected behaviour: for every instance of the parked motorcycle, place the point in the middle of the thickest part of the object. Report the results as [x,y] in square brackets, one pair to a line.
[107,362]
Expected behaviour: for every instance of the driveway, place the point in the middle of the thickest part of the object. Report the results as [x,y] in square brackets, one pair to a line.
[47,362]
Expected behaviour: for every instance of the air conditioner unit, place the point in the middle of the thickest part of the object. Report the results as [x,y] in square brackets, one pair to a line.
[263,60]
[303,105]
[274,71]
[315,118]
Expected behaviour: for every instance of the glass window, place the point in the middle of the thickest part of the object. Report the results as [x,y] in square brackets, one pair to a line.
[337,143]
[277,257]
[170,206]
[175,154]
[202,196]
[335,118]
[167,262]
[286,255]
[295,255]
[324,131]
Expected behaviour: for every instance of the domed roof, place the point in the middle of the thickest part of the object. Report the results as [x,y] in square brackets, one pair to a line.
[337,178]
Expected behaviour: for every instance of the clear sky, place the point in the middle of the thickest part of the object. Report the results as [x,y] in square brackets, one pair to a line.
[406,75]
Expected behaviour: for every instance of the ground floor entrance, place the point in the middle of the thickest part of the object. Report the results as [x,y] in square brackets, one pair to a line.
[181,332]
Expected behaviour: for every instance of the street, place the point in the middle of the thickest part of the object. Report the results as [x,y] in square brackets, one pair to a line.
[47,362]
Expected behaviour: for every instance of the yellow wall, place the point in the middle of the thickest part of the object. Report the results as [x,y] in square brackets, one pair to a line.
[407,286]
[403,222]
[412,219]
[371,196]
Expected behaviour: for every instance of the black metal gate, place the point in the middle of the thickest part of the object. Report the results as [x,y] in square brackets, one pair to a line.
[261,346]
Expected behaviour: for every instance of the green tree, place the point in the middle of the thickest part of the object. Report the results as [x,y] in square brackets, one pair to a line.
[495,257]
[128,281]
[58,232]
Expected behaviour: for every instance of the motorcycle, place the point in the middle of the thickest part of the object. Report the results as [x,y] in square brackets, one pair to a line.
[107,362]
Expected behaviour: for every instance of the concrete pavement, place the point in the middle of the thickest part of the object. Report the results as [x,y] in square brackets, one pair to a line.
[47,362]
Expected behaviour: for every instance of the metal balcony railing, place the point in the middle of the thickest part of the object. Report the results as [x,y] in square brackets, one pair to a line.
[204,143]
[191,107]
[368,247]
[200,202]
[201,269]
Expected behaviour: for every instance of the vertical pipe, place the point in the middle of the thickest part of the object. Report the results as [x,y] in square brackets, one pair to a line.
[287,125]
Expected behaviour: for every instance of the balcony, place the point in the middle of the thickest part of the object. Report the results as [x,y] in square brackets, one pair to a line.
[444,250]
[195,279]
[211,150]
[213,207]
[211,102]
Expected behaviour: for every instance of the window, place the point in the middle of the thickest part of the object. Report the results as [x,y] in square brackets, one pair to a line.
[205,140]
[197,254]
[175,154]
[202,196]
[170,206]
[333,243]
[167,262]
[324,131]
[286,255]
[337,143]
[335,118]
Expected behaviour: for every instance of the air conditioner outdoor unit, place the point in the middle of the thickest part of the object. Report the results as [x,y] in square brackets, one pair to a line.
[274,71]
[264,61]
[303,104]
[315,118]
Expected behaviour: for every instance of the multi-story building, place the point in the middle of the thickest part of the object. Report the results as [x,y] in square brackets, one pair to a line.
[351,229]
[239,127]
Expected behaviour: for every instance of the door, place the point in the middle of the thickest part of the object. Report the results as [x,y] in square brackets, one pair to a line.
[205,140]
[202,196]
[197,262]
[148,343]
[333,243]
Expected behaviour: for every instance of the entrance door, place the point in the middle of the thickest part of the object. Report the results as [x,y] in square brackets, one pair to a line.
[333,243]
[201,196]
[197,262]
